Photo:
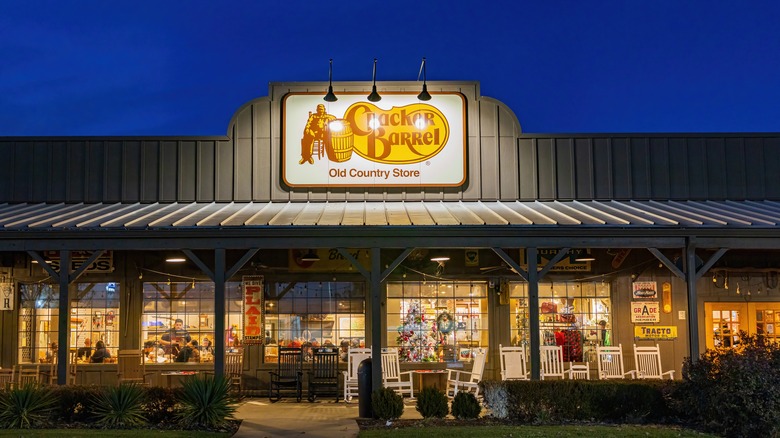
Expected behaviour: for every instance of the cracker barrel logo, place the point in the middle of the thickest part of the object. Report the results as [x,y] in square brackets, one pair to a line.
[400,135]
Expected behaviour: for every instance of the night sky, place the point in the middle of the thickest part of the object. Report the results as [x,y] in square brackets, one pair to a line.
[184,67]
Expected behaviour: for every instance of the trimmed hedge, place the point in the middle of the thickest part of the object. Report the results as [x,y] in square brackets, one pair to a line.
[541,402]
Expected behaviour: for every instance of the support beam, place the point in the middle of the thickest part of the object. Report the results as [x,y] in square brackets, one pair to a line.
[219,312]
[46,267]
[706,267]
[344,253]
[376,319]
[533,312]
[63,325]
[693,314]
[77,273]
[512,264]
[558,257]
[668,263]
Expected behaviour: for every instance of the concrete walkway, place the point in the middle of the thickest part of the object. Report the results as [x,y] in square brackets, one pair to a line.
[323,418]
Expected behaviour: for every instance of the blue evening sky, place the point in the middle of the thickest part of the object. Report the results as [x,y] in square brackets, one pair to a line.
[165,67]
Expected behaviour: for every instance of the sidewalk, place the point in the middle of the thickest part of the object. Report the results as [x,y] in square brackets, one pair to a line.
[323,418]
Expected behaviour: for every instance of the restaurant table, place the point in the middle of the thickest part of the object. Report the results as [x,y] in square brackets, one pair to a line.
[430,379]
[170,374]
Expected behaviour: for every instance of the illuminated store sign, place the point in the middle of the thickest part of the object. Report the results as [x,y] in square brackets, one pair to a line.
[398,141]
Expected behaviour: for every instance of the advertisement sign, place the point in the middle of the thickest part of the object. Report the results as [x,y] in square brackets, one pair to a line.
[645,311]
[660,333]
[254,314]
[567,264]
[104,263]
[645,290]
[396,142]
[326,260]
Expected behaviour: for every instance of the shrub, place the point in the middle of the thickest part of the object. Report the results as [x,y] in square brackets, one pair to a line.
[734,391]
[206,403]
[465,406]
[159,404]
[76,403]
[120,406]
[26,407]
[387,405]
[432,402]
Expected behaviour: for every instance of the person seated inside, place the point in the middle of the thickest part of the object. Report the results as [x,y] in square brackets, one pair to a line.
[189,353]
[206,346]
[100,354]
[152,352]
[85,352]
[175,338]
[51,353]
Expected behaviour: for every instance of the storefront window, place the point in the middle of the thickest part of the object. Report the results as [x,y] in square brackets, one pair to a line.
[94,315]
[180,314]
[437,321]
[575,315]
[312,314]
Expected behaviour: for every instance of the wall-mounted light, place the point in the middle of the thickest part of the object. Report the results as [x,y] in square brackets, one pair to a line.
[424,95]
[374,96]
[330,97]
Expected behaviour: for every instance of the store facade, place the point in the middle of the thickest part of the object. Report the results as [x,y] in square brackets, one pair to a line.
[434,227]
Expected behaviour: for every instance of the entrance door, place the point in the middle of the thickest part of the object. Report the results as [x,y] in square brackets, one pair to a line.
[723,321]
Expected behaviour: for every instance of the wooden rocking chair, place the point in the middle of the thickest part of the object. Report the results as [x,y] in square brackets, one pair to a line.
[324,374]
[288,374]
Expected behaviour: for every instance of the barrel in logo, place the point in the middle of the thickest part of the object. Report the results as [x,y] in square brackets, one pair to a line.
[341,141]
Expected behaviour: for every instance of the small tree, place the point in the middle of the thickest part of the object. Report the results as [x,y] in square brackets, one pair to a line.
[734,391]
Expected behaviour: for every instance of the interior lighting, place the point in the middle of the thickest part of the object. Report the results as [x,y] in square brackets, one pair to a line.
[330,97]
[175,259]
[310,256]
[374,96]
[424,95]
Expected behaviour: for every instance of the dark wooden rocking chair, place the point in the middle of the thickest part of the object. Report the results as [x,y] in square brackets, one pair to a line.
[289,374]
[324,374]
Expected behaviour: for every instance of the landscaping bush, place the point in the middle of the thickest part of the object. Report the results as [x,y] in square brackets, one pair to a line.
[159,404]
[734,391]
[465,406]
[387,405]
[76,403]
[119,406]
[432,403]
[539,402]
[26,407]
[206,403]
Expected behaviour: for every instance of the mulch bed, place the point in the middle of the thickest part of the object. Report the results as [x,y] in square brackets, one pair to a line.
[428,422]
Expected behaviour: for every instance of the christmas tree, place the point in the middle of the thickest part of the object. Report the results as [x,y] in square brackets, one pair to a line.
[418,338]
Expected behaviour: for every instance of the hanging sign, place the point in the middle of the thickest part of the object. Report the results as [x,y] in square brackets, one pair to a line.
[104,263]
[7,295]
[645,311]
[254,310]
[661,333]
[645,290]
[396,142]
[326,260]
[567,264]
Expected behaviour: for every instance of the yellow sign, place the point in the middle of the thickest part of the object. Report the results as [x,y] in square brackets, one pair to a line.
[326,260]
[655,332]
[399,141]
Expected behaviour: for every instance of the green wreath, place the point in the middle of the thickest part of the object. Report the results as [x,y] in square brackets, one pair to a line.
[445,323]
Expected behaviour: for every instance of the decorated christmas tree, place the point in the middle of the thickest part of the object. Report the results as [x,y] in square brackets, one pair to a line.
[418,338]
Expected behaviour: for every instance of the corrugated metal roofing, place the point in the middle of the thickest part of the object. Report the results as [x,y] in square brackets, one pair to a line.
[680,214]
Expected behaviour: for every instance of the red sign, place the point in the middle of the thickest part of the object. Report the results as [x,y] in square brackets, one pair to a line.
[253,311]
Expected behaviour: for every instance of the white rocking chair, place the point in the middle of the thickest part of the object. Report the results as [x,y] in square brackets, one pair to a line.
[354,357]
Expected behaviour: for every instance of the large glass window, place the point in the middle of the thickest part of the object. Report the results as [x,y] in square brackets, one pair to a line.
[94,316]
[575,315]
[177,314]
[437,321]
[311,314]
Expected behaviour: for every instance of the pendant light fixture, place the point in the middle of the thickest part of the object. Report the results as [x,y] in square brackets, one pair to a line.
[424,95]
[374,96]
[330,97]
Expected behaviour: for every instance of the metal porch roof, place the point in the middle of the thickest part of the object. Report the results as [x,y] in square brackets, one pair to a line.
[199,215]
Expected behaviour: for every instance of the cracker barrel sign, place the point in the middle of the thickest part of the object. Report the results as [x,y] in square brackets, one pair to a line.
[398,141]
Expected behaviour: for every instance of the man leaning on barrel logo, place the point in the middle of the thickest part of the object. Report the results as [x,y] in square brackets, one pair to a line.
[316,129]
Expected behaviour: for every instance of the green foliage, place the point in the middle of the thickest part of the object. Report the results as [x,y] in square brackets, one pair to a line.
[76,403]
[465,406]
[27,407]
[387,405]
[432,403]
[541,402]
[734,391]
[120,406]
[159,404]
[206,403]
